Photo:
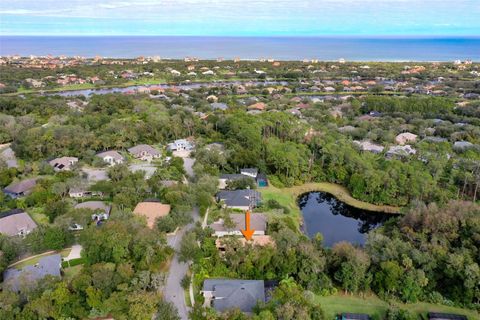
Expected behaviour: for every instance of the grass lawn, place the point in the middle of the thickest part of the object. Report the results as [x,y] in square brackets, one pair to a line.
[288,196]
[71,272]
[372,305]
[333,305]
[36,258]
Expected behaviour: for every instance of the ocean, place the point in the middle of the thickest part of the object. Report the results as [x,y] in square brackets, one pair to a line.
[281,48]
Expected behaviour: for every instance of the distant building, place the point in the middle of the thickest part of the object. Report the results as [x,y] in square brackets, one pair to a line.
[369,146]
[145,152]
[63,163]
[180,145]
[111,157]
[400,151]
[406,137]
[225,294]
[20,189]
[16,222]
[462,145]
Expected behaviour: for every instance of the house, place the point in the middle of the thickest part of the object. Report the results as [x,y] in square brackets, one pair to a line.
[180,145]
[16,280]
[101,211]
[151,211]
[111,157]
[250,172]
[145,152]
[16,222]
[218,106]
[354,316]
[240,199]
[369,146]
[20,189]
[225,294]
[63,163]
[445,316]
[259,106]
[80,193]
[260,241]
[258,222]
[400,151]
[405,137]
[462,145]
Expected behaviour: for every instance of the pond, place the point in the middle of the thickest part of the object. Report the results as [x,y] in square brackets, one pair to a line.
[337,221]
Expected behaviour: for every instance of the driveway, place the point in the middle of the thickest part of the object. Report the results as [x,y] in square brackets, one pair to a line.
[147,167]
[94,175]
[187,161]
[74,253]
[173,291]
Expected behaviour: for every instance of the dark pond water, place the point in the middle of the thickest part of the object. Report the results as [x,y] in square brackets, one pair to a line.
[337,221]
[182,86]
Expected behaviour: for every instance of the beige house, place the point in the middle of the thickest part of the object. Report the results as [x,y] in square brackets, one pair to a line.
[406,137]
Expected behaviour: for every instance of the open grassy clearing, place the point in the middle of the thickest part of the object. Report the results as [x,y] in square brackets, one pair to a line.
[34,259]
[372,305]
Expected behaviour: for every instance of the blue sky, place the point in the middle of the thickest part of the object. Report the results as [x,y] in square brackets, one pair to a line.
[241,17]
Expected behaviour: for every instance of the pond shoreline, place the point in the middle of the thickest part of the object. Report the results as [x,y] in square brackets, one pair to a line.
[342,194]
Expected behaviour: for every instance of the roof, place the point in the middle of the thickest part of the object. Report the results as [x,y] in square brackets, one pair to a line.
[445,316]
[111,153]
[258,222]
[94,205]
[152,211]
[239,198]
[22,186]
[241,294]
[60,163]
[234,176]
[143,148]
[355,316]
[49,265]
[260,240]
[250,171]
[14,221]
[218,105]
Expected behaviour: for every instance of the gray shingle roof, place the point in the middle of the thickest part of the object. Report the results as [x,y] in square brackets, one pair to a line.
[241,294]
[22,186]
[144,148]
[49,265]
[239,198]
[258,222]
[15,221]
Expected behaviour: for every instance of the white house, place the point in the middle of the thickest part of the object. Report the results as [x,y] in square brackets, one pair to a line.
[180,145]
[111,157]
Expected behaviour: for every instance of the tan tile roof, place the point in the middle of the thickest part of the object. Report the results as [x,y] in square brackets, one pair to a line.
[152,211]
[263,240]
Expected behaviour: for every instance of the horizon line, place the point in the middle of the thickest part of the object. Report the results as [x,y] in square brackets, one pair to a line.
[420,36]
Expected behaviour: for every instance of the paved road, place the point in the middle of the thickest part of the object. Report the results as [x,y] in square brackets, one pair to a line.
[173,291]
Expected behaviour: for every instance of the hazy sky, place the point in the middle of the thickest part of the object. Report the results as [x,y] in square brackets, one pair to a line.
[240,17]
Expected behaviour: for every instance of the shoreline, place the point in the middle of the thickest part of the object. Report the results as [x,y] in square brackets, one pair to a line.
[288,197]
